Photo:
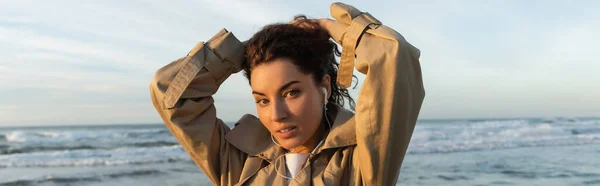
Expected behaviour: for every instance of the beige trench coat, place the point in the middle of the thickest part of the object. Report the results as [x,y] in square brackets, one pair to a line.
[365,148]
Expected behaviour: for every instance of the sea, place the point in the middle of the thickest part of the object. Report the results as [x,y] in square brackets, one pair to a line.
[527,151]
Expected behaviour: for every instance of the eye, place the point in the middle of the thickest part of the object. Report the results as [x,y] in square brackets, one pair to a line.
[291,93]
[262,102]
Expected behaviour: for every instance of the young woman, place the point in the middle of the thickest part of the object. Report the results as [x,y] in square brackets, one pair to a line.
[303,135]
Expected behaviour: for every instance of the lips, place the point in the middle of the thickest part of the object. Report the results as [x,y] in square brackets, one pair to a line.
[287,132]
[287,129]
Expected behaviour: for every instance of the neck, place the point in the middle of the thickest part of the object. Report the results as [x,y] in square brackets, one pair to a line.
[312,143]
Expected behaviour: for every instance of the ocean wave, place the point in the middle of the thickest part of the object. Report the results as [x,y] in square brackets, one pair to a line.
[51,180]
[116,146]
[496,144]
[497,123]
[151,133]
[38,148]
[135,173]
[585,131]
[55,136]
[503,134]
[155,143]
[93,163]
[82,179]
[45,147]
[23,136]
[86,157]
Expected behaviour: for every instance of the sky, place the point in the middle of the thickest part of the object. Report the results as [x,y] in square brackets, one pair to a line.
[91,62]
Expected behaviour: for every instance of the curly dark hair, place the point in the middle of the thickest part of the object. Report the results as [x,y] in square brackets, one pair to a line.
[307,44]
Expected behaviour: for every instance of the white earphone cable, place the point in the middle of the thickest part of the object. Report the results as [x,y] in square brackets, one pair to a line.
[314,150]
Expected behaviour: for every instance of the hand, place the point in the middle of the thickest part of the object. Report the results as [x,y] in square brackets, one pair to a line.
[323,22]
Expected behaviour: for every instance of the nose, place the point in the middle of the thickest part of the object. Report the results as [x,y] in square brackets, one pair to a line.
[279,112]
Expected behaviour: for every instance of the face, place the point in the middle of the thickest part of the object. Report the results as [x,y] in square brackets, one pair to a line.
[289,103]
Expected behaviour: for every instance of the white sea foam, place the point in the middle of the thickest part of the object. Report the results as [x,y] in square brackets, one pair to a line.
[56,136]
[533,131]
[94,157]
[501,134]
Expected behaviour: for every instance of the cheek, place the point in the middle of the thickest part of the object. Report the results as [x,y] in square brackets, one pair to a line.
[306,109]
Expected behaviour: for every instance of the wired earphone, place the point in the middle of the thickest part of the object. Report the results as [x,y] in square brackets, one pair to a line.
[325,101]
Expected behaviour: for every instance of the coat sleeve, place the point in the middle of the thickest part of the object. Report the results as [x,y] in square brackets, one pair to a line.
[391,96]
[182,94]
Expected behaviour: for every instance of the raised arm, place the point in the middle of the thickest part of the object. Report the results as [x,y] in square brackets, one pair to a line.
[392,93]
[181,93]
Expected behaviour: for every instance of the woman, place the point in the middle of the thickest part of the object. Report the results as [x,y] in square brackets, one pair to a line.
[303,135]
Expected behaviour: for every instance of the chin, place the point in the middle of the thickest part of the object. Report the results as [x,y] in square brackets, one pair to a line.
[291,143]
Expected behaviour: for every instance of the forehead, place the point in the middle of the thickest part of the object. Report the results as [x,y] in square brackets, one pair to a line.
[274,74]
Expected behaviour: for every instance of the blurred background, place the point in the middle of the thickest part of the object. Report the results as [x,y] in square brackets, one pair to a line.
[512,88]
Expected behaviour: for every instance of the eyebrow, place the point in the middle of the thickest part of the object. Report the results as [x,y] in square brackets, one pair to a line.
[280,89]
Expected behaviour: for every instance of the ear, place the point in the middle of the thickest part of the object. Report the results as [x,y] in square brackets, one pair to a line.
[326,83]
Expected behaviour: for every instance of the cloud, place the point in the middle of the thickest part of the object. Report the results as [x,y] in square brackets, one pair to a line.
[91,62]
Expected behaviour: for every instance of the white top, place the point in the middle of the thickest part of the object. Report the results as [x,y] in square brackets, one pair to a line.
[295,161]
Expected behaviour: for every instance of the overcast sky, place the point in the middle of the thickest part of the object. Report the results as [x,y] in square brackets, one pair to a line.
[68,62]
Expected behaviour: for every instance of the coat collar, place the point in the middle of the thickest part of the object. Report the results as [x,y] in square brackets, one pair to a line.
[250,136]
